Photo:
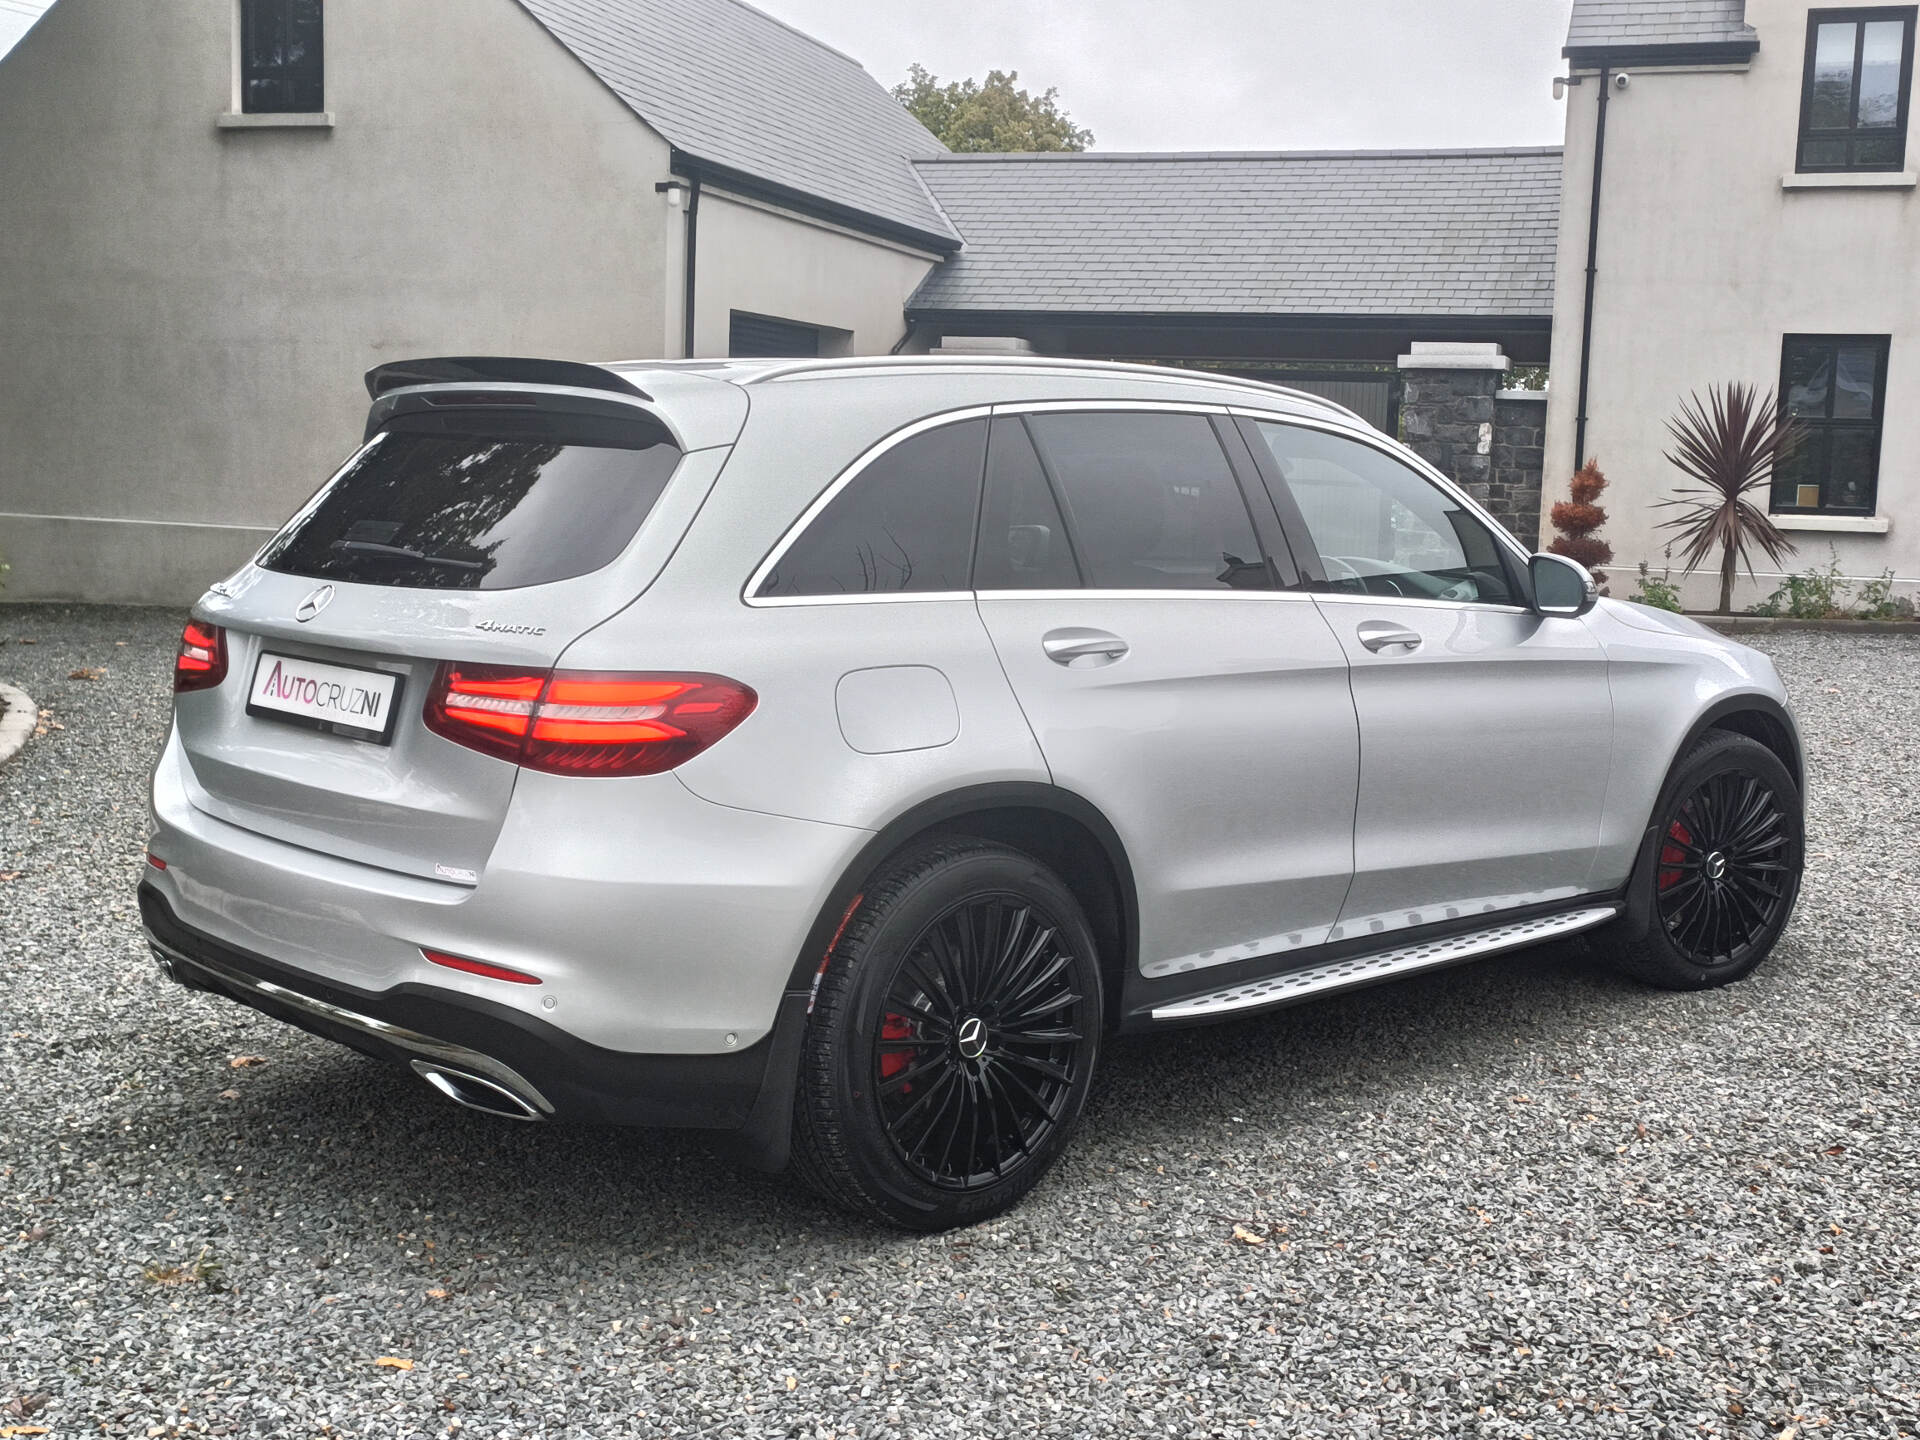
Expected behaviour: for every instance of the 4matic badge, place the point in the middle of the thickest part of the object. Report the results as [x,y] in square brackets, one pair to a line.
[498,629]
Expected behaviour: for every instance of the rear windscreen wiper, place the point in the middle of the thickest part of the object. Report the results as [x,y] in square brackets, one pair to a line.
[404,552]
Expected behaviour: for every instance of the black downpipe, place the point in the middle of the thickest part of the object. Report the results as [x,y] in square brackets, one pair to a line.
[693,253]
[1593,250]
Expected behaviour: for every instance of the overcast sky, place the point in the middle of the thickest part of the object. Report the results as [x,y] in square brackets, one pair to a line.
[1236,74]
[1217,74]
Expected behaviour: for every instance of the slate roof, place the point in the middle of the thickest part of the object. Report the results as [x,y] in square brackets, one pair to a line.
[1600,26]
[733,87]
[1385,232]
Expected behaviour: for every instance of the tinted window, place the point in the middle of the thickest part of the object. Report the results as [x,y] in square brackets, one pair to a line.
[280,56]
[1023,541]
[1856,88]
[1835,386]
[474,502]
[1151,501]
[903,525]
[1381,528]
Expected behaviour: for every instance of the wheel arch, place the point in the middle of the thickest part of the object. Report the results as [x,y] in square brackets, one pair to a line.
[1057,827]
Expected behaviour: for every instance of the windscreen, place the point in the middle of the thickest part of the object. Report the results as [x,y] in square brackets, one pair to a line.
[481,501]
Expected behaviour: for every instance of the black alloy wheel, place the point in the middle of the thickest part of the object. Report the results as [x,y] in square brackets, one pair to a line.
[953,1038]
[982,1042]
[1718,881]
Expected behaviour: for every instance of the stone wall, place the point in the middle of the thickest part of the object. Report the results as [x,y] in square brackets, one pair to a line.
[1487,440]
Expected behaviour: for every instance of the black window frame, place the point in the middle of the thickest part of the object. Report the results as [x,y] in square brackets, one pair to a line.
[1859,17]
[1829,424]
[768,337]
[285,85]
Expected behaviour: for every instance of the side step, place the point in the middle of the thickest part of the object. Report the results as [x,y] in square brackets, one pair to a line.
[1358,970]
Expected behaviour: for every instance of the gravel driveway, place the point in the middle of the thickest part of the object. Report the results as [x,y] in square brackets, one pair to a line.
[1524,1198]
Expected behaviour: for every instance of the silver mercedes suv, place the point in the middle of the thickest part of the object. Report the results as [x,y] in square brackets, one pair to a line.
[832,754]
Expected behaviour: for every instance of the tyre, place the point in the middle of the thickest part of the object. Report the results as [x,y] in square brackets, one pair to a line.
[952,1039]
[1724,873]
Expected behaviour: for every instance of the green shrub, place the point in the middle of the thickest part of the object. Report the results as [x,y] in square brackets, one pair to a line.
[1818,593]
[1660,594]
[1877,600]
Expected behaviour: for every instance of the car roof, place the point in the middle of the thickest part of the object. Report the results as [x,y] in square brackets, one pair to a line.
[1039,368]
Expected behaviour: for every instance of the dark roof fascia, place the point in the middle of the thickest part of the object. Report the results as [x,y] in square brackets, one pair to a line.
[1655,57]
[726,177]
[1237,320]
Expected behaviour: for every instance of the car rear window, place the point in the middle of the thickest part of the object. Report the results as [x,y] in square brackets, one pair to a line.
[481,501]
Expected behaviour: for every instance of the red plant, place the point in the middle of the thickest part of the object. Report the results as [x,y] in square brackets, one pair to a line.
[1578,518]
[1732,445]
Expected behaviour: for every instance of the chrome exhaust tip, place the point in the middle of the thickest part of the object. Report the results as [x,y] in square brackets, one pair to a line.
[476,1092]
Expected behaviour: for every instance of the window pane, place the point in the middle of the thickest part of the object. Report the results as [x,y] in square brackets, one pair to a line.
[1886,42]
[1822,154]
[1831,105]
[1152,502]
[1856,382]
[903,525]
[280,56]
[1809,371]
[1381,528]
[1805,467]
[1877,151]
[1851,486]
[439,502]
[1023,541]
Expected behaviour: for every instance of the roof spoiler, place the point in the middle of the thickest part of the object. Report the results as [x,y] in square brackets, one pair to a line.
[509,370]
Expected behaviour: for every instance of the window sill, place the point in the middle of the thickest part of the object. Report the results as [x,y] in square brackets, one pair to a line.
[1852,180]
[1837,524]
[288,120]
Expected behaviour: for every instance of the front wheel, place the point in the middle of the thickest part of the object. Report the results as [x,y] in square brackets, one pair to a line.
[952,1039]
[1724,872]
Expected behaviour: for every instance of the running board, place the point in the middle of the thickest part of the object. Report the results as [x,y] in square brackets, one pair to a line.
[1358,970]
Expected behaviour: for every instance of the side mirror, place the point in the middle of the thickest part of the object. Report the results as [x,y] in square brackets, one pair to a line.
[1560,586]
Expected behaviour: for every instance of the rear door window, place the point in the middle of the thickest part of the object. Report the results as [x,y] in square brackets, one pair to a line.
[481,502]
[1151,501]
[1023,540]
[902,526]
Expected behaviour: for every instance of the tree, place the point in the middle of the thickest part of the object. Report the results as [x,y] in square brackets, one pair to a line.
[971,118]
[1731,445]
[1578,518]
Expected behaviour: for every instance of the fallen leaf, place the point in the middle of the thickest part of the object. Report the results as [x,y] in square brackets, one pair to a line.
[229,1094]
[88,672]
[1247,1237]
[246,1062]
[792,1383]
[6,875]
[394,1362]
[24,641]
[23,1429]
[1830,1150]
[25,1405]
[39,1232]
[437,1293]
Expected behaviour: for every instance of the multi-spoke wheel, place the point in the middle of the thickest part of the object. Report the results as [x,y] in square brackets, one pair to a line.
[953,1038]
[1725,867]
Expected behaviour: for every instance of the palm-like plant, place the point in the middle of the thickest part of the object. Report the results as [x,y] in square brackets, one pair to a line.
[1731,445]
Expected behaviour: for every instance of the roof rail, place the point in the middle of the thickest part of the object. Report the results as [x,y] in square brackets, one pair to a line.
[501,369]
[1051,363]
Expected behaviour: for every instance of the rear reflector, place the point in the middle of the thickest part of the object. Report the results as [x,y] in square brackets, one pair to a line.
[201,662]
[572,722]
[480,968]
[155,861]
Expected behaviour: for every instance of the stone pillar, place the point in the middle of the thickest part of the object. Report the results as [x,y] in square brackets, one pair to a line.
[1447,412]
[1519,457]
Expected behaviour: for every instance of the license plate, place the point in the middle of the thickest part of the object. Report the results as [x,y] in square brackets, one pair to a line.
[339,699]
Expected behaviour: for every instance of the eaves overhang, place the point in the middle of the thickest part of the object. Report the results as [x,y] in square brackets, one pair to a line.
[1656,57]
[726,177]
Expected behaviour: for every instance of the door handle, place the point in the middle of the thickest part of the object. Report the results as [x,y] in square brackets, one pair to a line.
[1077,646]
[1378,635]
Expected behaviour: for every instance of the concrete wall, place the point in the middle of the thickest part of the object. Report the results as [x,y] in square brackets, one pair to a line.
[186,310]
[1705,262]
[769,261]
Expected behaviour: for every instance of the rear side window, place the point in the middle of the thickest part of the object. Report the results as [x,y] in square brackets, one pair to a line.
[481,502]
[902,526]
[1151,501]
[1023,540]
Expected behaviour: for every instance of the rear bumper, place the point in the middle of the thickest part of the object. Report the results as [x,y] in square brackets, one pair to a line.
[552,1074]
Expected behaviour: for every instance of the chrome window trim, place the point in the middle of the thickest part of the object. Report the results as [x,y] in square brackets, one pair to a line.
[1394,450]
[1425,602]
[1171,593]
[827,496]
[786,602]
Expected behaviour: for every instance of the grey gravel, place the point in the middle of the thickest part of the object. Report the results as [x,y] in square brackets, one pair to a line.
[1520,1199]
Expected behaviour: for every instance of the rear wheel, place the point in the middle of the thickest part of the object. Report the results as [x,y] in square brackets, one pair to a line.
[952,1040]
[1725,868]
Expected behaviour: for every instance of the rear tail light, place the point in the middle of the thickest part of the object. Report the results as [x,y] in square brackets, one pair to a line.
[572,722]
[202,661]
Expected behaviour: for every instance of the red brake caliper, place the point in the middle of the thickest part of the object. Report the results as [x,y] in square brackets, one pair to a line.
[1673,855]
[892,1062]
